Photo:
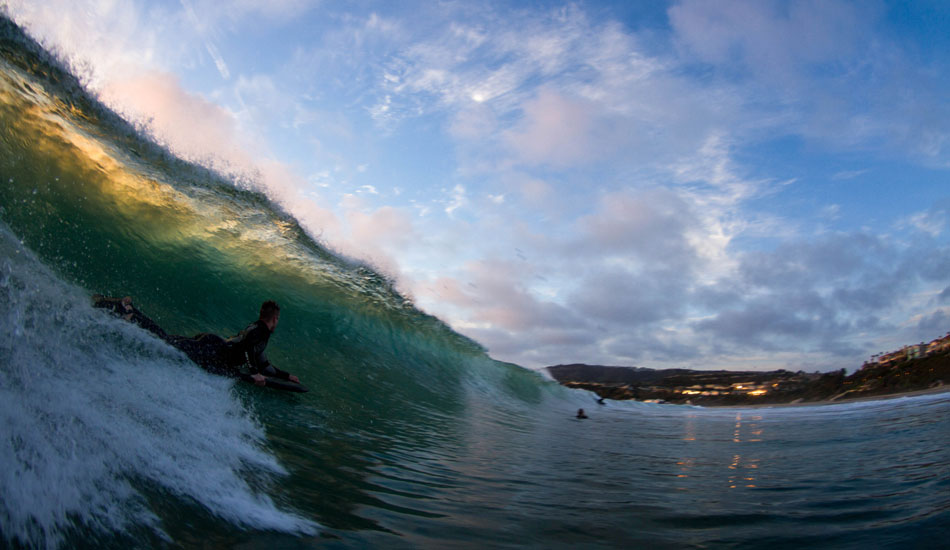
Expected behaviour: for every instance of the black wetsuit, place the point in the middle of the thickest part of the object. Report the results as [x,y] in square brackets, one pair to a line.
[248,346]
[210,351]
[227,356]
[132,314]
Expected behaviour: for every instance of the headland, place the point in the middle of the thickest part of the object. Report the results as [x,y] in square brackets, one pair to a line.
[913,370]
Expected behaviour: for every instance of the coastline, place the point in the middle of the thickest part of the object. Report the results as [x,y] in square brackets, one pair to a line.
[827,402]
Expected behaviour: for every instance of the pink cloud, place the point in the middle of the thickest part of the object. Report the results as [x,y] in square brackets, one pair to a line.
[649,226]
[555,130]
[386,226]
[190,125]
[382,237]
[492,293]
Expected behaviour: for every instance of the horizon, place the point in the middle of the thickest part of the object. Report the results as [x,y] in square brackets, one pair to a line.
[751,185]
[846,369]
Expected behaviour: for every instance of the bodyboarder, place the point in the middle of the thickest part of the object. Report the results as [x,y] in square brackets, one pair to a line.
[245,348]
[210,351]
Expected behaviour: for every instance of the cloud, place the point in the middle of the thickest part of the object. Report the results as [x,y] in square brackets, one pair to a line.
[534,191]
[848,175]
[773,39]
[554,131]
[384,226]
[826,70]
[556,91]
[629,299]
[807,303]
[648,229]
[935,324]
[381,236]
[823,291]
[208,14]
[626,269]
[498,307]
[188,124]
[474,122]
[458,199]
[932,222]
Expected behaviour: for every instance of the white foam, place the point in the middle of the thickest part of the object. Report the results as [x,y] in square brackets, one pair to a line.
[93,409]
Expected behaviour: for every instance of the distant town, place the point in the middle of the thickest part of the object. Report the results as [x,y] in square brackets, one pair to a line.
[924,366]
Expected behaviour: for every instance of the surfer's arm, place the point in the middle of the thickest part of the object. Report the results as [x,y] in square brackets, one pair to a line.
[286,375]
[260,380]
[261,365]
[271,370]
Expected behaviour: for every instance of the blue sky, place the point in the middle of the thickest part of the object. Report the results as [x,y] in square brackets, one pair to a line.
[730,184]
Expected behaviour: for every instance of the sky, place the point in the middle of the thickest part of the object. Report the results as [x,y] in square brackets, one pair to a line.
[739,184]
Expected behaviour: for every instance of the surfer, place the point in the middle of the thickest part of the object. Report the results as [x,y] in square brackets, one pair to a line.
[249,344]
[122,307]
[246,348]
[580,413]
[212,352]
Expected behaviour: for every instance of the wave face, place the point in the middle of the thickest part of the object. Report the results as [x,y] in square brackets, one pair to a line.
[411,435]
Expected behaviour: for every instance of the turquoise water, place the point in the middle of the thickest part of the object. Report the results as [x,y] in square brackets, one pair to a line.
[411,435]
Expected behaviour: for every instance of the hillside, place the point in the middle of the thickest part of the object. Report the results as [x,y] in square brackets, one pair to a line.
[754,387]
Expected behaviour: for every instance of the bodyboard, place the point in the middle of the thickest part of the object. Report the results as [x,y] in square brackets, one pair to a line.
[276,383]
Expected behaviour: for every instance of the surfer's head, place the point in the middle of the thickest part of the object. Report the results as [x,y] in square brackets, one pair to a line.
[270,314]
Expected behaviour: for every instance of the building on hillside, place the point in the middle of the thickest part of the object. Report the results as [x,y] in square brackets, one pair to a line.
[892,357]
[939,345]
[916,351]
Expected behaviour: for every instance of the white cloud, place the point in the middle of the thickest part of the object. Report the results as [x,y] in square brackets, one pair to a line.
[458,199]
[932,222]
[848,175]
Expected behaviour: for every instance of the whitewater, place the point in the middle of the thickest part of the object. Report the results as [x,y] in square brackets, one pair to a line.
[411,436]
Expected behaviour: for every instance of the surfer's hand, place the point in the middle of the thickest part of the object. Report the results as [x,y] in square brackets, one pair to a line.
[294,379]
[259,379]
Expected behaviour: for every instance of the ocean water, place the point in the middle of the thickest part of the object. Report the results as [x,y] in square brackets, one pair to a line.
[411,435]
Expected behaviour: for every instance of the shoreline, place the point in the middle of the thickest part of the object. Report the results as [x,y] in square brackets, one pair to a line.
[827,402]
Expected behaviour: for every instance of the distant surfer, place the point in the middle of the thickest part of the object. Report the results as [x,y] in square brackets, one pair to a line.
[122,307]
[221,356]
[581,414]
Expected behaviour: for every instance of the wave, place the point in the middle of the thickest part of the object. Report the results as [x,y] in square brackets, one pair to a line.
[99,417]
